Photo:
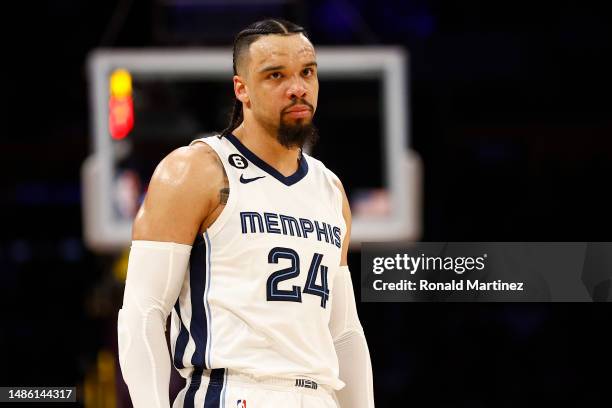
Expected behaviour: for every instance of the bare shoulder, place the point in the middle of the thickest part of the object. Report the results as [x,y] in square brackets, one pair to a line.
[188,165]
[346,213]
[337,182]
[180,195]
[346,208]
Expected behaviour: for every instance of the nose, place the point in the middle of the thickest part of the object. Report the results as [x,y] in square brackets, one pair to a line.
[297,88]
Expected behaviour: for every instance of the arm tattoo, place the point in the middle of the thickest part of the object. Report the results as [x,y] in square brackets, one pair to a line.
[224,195]
[224,191]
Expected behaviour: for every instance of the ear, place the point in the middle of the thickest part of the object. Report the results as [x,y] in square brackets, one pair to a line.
[240,89]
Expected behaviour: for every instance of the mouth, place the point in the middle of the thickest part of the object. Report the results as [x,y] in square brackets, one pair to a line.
[298,111]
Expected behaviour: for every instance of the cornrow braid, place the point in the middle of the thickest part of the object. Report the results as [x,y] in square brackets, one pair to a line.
[242,42]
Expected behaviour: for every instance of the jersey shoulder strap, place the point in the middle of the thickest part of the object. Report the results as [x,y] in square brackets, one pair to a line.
[223,151]
[213,141]
[232,162]
[330,181]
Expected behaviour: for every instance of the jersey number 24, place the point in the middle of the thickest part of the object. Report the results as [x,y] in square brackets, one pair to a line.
[295,294]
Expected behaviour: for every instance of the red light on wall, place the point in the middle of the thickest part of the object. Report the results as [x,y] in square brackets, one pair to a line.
[121,116]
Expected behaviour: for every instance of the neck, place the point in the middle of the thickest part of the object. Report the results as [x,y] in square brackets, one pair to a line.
[265,145]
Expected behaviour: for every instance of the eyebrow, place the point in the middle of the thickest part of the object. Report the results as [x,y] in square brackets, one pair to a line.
[280,67]
[273,68]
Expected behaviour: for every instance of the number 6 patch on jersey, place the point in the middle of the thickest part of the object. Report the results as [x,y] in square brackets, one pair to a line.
[238,161]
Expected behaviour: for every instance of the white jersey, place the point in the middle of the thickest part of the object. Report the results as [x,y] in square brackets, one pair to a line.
[258,293]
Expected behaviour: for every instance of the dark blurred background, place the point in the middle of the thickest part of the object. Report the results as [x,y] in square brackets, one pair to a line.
[511,114]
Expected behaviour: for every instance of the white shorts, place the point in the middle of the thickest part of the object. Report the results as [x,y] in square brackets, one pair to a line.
[222,388]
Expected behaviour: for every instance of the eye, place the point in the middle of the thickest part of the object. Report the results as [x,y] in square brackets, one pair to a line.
[275,75]
[307,71]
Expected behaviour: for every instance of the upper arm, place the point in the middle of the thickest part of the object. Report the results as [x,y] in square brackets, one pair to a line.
[346,213]
[180,195]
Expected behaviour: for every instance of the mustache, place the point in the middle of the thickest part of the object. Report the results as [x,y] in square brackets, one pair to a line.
[298,102]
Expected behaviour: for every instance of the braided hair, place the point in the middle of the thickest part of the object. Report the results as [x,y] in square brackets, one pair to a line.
[243,41]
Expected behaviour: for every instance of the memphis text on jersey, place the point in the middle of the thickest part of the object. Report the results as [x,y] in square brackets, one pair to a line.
[253,222]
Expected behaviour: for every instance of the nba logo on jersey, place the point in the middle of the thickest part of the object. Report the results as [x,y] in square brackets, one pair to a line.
[241,404]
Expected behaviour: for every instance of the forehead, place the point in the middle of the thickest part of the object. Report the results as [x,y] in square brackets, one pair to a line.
[281,48]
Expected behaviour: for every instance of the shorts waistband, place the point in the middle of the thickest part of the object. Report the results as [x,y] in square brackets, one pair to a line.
[298,384]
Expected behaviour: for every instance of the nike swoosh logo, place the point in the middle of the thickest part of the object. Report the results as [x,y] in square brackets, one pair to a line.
[248,180]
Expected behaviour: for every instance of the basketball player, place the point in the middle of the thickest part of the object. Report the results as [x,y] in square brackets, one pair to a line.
[244,239]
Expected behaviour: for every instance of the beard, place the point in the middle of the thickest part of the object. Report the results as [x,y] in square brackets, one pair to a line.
[299,133]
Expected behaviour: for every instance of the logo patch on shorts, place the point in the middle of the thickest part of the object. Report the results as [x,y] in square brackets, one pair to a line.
[302,382]
[241,404]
